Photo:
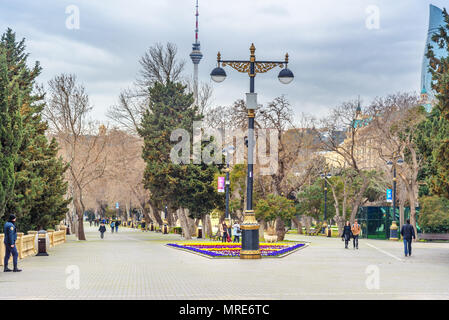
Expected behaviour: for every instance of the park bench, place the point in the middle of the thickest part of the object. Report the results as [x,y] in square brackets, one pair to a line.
[433,236]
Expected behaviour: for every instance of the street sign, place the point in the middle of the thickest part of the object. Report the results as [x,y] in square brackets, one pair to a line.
[221,184]
[389,195]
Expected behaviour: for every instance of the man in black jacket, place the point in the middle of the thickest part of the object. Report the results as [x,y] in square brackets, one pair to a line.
[408,232]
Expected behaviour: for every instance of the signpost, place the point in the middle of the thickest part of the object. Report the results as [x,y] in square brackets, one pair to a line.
[389,196]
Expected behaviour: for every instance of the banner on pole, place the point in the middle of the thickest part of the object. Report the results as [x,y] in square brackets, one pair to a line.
[221,184]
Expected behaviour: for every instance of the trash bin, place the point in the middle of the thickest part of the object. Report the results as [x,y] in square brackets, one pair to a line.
[42,243]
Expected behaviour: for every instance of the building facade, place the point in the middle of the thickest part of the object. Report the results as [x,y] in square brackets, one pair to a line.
[436,21]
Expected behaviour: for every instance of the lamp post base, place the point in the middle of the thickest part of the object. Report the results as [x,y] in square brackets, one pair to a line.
[250,237]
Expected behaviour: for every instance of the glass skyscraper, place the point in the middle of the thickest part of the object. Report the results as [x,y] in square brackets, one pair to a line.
[436,20]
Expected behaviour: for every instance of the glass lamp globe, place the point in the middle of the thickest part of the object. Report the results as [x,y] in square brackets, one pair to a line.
[218,75]
[285,76]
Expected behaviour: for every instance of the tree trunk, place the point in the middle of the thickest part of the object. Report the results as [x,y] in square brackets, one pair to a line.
[190,223]
[183,220]
[298,224]
[80,225]
[280,229]
[209,226]
[358,199]
[154,212]
[308,223]
[413,212]
[204,226]
[262,229]
[401,212]
[146,216]
[340,224]
[170,219]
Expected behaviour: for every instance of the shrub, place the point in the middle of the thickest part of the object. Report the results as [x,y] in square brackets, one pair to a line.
[176,230]
[434,214]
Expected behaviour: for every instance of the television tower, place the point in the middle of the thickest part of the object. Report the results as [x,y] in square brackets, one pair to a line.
[196,57]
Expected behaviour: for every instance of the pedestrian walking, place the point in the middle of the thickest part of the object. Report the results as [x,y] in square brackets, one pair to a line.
[10,244]
[224,232]
[236,230]
[102,230]
[143,225]
[347,233]
[407,233]
[356,229]
[112,226]
[117,223]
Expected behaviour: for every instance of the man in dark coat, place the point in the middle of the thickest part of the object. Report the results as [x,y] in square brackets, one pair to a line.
[408,232]
[10,244]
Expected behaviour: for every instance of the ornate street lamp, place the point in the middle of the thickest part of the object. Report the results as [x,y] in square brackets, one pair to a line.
[250,227]
[325,177]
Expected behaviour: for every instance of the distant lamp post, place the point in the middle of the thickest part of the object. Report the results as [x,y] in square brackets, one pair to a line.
[325,176]
[165,226]
[227,152]
[394,228]
[250,227]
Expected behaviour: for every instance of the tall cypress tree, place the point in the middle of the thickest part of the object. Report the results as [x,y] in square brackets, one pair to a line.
[11,129]
[39,188]
[188,186]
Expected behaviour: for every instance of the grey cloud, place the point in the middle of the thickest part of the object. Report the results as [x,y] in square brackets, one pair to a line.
[333,55]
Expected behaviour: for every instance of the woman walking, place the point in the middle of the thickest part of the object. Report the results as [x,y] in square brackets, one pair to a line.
[224,232]
[112,226]
[347,234]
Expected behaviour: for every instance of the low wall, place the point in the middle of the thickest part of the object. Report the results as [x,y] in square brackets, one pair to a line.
[26,244]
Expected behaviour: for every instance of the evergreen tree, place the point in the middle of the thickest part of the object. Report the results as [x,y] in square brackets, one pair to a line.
[39,188]
[433,136]
[11,128]
[187,186]
[432,139]
[169,109]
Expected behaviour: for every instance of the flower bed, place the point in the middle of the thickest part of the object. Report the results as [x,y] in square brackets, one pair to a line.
[231,250]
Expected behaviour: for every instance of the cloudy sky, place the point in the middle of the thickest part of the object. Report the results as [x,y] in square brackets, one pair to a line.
[336,50]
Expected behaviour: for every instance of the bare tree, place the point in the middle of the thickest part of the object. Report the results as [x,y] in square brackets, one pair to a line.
[127,113]
[395,119]
[296,152]
[348,118]
[160,64]
[83,147]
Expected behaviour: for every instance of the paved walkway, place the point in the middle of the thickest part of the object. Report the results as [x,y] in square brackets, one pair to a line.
[137,265]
